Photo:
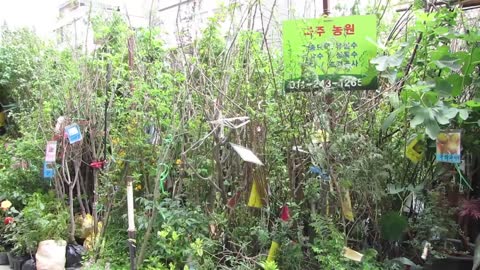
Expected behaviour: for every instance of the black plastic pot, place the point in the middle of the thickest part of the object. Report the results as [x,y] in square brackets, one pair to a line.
[3,258]
[10,262]
[451,263]
[29,265]
[16,262]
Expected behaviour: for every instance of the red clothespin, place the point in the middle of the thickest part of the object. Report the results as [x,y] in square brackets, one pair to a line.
[98,164]
[285,214]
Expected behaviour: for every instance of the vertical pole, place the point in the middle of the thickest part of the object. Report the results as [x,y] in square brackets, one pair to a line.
[130,210]
[131,60]
[131,223]
[326,9]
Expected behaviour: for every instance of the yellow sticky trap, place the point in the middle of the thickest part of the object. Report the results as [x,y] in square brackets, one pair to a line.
[347,206]
[255,199]
[352,254]
[414,151]
[272,253]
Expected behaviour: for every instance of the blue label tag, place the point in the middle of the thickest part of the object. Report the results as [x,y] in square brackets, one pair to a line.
[73,133]
[48,170]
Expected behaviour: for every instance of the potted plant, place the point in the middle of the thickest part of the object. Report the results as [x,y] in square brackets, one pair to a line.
[7,214]
[47,221]
[13,235]
[43,218]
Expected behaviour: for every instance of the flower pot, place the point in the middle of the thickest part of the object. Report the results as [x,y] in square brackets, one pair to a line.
[16,262]
[10,262]
[3,258]
[29,265]
[451,263]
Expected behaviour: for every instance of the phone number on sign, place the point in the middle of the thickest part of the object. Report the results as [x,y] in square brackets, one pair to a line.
[347,83]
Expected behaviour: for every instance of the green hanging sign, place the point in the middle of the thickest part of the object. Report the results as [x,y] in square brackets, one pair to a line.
[330,53]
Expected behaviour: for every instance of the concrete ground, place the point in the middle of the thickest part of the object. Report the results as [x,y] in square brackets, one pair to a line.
[4,267]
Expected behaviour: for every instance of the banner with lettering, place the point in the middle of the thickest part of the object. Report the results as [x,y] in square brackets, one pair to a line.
[330,53]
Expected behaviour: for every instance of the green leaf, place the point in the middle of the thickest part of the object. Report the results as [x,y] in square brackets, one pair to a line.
[449,62]
[432,128]
[394,100]
[439,53]
[471,60]
[473,103]
[463,114]
[394,189]
[456,81]
[443,87]
[417,120]
[391,117]
[383,62]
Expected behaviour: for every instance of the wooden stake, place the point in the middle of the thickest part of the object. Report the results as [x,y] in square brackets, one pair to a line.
[131,223]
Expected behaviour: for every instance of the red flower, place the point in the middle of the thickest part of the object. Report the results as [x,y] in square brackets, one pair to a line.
[8,220]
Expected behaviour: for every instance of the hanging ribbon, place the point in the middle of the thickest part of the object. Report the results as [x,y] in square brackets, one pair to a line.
[462,178]
[163,176]
[98,164]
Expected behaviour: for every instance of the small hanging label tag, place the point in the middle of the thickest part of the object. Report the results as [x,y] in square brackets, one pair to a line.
[255,199]
[414,150]
[51,151]
[48,170]
[352,254]
[272,253]
[449,146]
[73,133]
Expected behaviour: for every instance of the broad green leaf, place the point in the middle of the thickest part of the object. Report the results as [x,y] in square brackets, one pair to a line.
[391,76]
[432,128]
[441,31]
[448,111]
[417,120]
[383,62]
[473,103]
[439,53]
[471,60]
[449,62]
[394,189]
[391,118]
[463,114]
[443,87]
[456,81]
[394,100]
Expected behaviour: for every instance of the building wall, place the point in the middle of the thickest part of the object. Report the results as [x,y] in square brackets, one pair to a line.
[73,29]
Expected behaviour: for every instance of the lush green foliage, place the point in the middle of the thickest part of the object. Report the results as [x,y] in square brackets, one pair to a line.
[191,189]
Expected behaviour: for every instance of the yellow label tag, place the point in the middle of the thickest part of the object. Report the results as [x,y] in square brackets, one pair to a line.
[347,206]
[255,199]
[352,254]
[272,253]
[414,151]
[3,119]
